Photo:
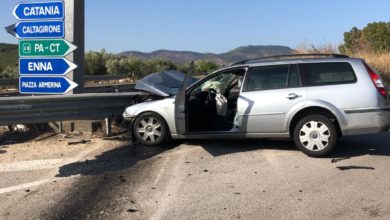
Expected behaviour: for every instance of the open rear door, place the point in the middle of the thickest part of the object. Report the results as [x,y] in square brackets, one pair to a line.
[181,104]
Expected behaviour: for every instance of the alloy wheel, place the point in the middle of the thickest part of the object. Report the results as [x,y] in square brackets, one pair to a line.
[149,129]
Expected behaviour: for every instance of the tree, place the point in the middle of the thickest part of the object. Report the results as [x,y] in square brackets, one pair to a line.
[375,37]
[183,67]
[10,72]
[95,63]
[205,66]
[158,65]
[352,41]
[135,66]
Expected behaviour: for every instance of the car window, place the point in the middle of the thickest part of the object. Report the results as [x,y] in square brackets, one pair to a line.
[267,77]
[220,82]
[327,74]
[293,80]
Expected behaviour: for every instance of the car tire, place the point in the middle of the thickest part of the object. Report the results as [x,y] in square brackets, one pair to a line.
[315,135]
[150,129]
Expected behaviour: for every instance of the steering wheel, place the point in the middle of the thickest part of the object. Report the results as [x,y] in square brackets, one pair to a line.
[212,94]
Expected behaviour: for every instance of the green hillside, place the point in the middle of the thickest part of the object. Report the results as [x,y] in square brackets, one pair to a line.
[8,55]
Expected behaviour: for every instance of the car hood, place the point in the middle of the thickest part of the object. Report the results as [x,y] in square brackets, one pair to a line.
[164,83]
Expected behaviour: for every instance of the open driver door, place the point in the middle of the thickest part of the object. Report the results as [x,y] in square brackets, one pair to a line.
[181,104]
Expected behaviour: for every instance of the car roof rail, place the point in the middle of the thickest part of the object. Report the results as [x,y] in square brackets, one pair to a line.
[290,56]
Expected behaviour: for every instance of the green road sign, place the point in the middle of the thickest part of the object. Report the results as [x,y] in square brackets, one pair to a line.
[42,48]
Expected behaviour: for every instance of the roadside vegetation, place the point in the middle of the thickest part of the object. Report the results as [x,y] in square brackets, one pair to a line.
[371,43]
[102,63]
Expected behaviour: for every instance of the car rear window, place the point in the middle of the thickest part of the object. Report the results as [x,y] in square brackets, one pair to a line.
[267,77]
[327,73]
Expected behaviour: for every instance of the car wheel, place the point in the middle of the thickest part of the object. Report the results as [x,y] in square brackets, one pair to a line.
[150,129]
[315,135]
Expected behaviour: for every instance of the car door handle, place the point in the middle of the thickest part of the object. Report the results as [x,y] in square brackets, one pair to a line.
[292,96]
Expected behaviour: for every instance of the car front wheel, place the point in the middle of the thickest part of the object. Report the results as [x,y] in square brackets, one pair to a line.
[150,129]
[315,135]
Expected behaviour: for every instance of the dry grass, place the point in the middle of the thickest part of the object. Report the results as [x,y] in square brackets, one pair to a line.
[379,61]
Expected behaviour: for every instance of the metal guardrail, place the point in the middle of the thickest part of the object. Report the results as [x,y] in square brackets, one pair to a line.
[110,88]
[14,82]
[89,89]
[9,82]
[105,77]
[42,109]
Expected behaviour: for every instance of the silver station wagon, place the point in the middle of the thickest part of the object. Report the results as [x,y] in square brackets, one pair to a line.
[312,99]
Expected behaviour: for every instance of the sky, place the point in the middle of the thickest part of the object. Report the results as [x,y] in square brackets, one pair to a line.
[215,26]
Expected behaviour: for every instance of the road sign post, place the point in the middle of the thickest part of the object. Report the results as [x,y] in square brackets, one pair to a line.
[74,32]
[41,29]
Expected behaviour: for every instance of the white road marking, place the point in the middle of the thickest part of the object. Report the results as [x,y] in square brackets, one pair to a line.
[42,164]
[23,186]
[175,179]
[33,165]
[33,184]
[161,171]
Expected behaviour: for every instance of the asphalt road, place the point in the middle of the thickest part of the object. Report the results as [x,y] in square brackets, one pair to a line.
[260,179]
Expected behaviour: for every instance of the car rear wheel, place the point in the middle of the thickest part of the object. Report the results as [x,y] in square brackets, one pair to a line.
[150,129]
[315,135]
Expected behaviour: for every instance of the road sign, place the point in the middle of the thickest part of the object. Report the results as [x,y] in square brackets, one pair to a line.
[39,10]
[37,29]
[43,48]
[45,66]
[45,85]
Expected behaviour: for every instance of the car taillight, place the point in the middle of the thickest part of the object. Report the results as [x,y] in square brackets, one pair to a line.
[376,79]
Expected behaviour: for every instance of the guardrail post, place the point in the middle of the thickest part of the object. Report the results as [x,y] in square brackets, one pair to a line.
[72,129]
[108,122]
[60,128]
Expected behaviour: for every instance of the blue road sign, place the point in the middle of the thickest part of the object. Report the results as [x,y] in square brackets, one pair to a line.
[45,66]
[37,29]
[39,10]
[45,85]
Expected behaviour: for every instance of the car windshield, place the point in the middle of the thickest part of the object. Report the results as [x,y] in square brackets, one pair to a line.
[219,83]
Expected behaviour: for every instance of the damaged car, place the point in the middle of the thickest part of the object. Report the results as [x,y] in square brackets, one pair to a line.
[312,100]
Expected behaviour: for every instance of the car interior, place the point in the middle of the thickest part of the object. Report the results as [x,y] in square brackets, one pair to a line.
[212,105]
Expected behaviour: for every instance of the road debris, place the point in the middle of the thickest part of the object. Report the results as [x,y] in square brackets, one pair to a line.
[117,138]
[45,136]
[335,160]
[122,179]
[78,142]
[355,168]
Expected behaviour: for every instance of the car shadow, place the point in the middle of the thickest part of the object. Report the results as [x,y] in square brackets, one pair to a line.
[220,148]
[128,155]
[370,144]
[350,146]
[117,159]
